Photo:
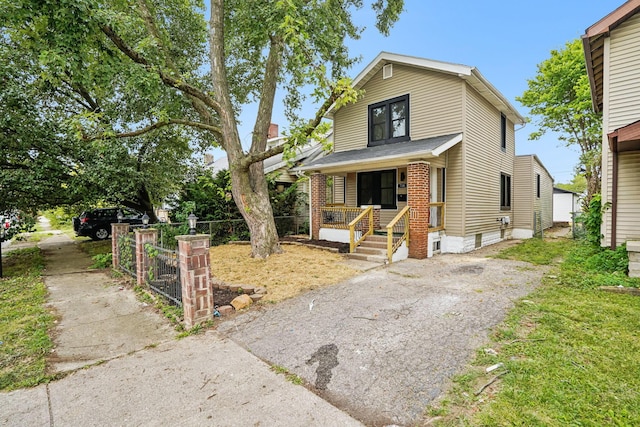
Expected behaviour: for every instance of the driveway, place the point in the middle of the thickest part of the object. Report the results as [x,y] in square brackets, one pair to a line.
[386,343]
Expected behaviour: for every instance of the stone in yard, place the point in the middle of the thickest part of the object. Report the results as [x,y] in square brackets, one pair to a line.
[260,290]
[241,301]
[256,297]
[225,310]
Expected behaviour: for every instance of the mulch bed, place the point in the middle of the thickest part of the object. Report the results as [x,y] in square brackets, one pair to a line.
[223,296]
[340,247]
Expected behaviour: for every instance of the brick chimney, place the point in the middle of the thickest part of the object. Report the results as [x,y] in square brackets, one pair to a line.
[273,131]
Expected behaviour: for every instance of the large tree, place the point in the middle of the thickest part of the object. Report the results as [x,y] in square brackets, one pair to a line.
[42,162]
[560,99]
[142,66]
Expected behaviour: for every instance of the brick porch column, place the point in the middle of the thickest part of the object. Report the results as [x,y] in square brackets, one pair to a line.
[197,289]
[117,230]
[376,217]
[318,200]
[144,236]
[418,195]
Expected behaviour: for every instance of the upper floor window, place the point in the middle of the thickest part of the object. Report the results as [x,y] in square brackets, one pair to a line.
[503,132]
[505,192]
[389,121]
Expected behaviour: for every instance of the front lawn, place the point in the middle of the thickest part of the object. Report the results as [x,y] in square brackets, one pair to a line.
[569,351]
[285,275]
[24,321]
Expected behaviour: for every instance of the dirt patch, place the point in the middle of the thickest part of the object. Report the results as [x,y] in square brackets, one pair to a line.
[297,269]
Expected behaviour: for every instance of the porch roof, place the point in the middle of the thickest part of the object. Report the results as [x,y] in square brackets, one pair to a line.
[398,152]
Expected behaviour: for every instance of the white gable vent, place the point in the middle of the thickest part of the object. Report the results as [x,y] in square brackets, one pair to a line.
[387,71]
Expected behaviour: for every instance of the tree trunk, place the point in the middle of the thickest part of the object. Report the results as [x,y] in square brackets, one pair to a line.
[251,195]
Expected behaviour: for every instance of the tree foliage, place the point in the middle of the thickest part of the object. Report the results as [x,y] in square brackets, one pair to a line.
[134,74]
[560,99]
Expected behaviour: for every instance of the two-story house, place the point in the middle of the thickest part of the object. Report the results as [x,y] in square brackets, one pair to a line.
[612,53]
[430,149]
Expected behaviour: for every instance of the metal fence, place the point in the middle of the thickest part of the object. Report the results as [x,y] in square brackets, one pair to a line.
[127,250]
[224,231]
[163,276]
[577,225]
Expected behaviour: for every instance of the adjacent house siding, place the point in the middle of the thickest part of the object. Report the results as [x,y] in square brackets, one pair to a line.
[624,84]
[524,191]
[621,107]
[628,224]
[435,106]
[544,204]
[484,161]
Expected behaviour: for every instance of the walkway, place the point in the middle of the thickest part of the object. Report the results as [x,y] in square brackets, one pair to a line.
[125,367]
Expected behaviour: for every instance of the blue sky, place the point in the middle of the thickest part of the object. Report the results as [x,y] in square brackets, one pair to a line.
[504,40]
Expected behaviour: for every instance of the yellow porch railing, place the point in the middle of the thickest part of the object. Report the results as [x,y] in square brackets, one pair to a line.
[399,224]
[360,227]
[436,216]
[334,216]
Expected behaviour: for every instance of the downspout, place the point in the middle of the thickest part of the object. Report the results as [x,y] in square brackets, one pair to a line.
[614,195]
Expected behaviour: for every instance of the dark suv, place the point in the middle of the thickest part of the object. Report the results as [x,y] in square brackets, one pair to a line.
[96,223]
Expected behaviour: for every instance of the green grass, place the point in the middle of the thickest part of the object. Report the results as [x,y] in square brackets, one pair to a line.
[538,251]
[570,351]
[24,321]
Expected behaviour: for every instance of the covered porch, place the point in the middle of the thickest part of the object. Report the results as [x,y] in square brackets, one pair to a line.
[397,191]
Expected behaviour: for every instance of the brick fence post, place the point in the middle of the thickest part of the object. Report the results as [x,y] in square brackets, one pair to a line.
[318,200]
[197,289]
[117,230]
[418,196]
[144,236]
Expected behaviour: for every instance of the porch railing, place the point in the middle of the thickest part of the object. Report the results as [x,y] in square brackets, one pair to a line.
[397,232]
[436,216]
[338,216]
[362,223]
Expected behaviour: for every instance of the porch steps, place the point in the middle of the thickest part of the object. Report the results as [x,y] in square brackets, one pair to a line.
[372,249]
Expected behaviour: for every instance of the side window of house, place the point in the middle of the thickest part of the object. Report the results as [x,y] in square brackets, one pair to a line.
[505,192]
[503,132]
[538,185]
[389,121]
[377,188]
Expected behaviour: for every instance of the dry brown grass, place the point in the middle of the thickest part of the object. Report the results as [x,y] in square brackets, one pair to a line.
[285,275]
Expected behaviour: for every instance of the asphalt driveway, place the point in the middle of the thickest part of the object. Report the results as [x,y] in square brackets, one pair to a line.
[384,344]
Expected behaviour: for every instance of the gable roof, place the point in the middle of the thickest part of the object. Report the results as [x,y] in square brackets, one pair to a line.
[470,74]
[593,43]
[558,190]
[408,150]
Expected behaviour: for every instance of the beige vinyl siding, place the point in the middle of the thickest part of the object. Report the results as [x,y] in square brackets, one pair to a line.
[621,107]
[523,193]
[628,224]
[624,74]
[454,220]
[351,194]
[435,106]
[338,189]
[484,161]
[544,204]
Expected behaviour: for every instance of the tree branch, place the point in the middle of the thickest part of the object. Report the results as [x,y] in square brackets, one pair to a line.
[155,126]
[166,78]
[306,133]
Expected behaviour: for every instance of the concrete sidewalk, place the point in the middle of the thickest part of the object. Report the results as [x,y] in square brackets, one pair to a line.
[125,367]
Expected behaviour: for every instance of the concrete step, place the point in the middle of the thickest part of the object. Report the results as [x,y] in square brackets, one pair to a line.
[366,257]
[371,251]
[373,245]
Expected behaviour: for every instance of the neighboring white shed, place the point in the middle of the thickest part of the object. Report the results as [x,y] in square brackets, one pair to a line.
[565,202]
